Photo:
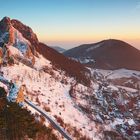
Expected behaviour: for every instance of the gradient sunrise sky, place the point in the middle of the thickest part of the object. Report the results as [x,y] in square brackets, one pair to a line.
[68,23]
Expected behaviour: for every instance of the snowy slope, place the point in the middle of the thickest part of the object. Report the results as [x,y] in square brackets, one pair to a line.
[91,110]
[51,91]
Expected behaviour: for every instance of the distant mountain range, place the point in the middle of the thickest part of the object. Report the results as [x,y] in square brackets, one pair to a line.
[107,54]
[59,49]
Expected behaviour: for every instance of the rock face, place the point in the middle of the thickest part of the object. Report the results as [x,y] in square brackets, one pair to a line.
[7,27]
[6,30]
[10,36]
[27,33]
[107,54]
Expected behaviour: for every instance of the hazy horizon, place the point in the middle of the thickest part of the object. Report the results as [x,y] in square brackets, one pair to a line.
[73,22]
[70,45]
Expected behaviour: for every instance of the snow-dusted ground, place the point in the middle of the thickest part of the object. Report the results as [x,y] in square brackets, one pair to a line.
[114,74]
[114,106]
[50,91]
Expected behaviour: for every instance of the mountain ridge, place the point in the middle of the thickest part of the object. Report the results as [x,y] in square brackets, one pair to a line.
[107,54]
[17,30]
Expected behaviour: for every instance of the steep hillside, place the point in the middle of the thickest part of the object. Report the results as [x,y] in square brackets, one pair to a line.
[72,68]
[107,54]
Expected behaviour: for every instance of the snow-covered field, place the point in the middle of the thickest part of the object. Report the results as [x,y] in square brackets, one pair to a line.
[114,74]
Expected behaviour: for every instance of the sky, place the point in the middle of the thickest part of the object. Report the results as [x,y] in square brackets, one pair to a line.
[69,23]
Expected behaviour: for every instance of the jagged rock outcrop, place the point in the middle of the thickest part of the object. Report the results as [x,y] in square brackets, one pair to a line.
[12,37]
[27,33]
[6,31]
[5,24]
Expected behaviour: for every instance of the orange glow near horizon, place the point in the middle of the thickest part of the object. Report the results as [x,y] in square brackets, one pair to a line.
[83,38]
[70,23]
[75,35]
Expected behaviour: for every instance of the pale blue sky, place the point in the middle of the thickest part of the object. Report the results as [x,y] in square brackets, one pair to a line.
[68,23]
